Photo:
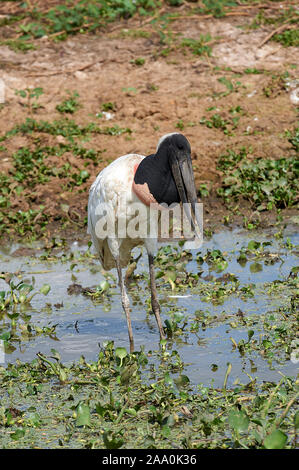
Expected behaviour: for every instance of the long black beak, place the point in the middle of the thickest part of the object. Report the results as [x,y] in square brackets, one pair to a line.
[184,179]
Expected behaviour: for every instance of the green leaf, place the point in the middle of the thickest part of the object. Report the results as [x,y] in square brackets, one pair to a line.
[221,266]
[34,419]
[178,316]
[242,259]
[276,440]
[22,93]
[83,415]
[112,443]
[55,354]
[296,420]
[18,434]
[131,411]
[238,420]
[181,381]
[256,267]
[167,379]
[166,431]
[267,344]
[250,334]
[101,410]
[169,325]
[25,288]
[45,289]
[121,353]
[171,276]
[5,336]
[127,373]
[104,285]
[84,174]
[257,436]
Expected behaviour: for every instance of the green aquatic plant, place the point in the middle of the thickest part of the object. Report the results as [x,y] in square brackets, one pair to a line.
[15,302]
[266,183]
[156,405]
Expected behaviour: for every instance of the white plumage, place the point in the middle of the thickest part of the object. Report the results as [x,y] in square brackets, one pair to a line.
[113,186]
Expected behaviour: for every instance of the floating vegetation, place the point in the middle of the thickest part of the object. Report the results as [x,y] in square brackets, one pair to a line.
[130,403]
[264,182]
[160,395]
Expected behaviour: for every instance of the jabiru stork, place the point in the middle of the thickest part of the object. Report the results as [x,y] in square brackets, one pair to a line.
[163,177]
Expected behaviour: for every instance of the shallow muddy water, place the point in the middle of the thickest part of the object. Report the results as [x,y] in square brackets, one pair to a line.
[82,324]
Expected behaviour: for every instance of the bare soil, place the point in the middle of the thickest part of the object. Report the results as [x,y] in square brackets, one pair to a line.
[171,91]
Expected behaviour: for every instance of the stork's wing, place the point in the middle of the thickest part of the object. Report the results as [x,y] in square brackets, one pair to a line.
[113,182]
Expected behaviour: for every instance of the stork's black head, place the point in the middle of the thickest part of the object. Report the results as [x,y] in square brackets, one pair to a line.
[174,143]
[167,175]
[159,170]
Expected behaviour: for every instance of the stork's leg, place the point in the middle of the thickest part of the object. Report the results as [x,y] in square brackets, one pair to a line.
[154,297]
[125,303]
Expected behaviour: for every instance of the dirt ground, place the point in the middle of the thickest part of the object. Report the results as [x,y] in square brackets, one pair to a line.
[171,91]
